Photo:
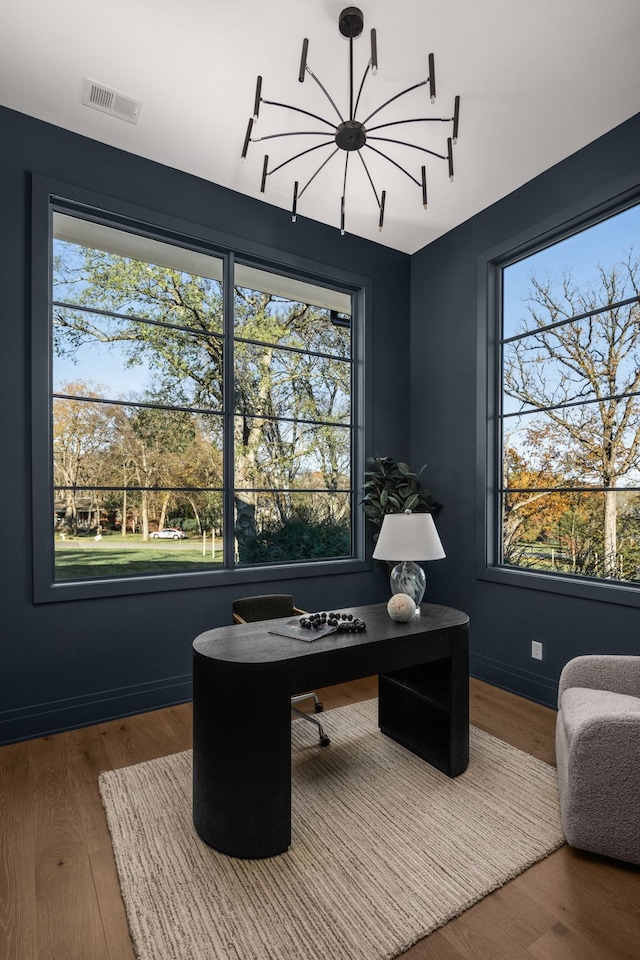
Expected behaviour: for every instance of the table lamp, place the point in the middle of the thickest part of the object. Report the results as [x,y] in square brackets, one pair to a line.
[407,537]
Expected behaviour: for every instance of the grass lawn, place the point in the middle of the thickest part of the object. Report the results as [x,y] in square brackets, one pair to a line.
[129,556]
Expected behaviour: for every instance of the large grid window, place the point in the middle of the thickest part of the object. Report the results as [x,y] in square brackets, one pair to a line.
[202,410]
[569,437]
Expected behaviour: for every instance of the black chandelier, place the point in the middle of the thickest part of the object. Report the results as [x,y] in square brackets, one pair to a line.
[350,134]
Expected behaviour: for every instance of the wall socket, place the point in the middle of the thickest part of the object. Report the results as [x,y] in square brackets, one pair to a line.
[536,650]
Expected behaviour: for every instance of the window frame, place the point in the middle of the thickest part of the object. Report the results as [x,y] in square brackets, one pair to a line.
[49,196]
[588,213]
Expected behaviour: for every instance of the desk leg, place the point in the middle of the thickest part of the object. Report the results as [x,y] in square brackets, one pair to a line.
[459,705]
[241,759]
[425,707]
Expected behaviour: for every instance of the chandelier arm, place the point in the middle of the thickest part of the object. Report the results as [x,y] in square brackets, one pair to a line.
[312,74]
[343,201]
[323,164]
[366,169]
[346,168]
[406,172]
[414,146]
[350,78]
[288,106]
[293,133]
[301,154]
[395,123]
[422,83]
[366,73]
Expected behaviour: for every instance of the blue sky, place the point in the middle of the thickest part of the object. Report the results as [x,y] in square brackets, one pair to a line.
[605,243]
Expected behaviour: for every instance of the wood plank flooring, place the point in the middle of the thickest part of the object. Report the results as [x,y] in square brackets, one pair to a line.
[59,894]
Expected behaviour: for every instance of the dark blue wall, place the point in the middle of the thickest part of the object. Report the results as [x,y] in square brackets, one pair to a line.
[72,663]
[65,664]
[444,355]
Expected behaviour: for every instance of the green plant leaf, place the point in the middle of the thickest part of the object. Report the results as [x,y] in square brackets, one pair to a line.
[391,487]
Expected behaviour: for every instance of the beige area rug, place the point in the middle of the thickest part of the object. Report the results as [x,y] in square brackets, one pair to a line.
[385,849]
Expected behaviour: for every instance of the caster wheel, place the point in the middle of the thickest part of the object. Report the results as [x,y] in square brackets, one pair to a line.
[319,707]
[324,741]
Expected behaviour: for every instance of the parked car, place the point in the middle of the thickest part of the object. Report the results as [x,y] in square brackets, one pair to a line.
[169,533]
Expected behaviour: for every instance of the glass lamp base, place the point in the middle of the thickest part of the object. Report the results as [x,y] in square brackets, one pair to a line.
[408,577]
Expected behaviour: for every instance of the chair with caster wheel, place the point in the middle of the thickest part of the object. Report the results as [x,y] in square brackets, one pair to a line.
[272,607]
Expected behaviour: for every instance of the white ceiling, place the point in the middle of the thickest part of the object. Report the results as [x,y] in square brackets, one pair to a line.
[537,81]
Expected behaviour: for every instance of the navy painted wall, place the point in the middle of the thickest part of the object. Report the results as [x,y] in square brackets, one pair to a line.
[65,664]
[71,663]
[444,321]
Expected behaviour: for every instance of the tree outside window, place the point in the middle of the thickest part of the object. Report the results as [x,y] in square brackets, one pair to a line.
[159,396]
[570,490]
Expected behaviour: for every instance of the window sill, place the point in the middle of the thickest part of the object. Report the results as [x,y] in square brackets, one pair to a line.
[127,586]
[581,587]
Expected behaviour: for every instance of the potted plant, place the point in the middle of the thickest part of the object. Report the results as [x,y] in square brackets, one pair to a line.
[391,487]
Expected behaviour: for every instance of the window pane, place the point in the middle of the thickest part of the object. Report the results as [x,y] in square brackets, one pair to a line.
[288,323]
[286,527]
[284,455]
[567,270]
[282,383]
[595,357]
[89,277]
[186,532]
[589,445]
[103,444]
[136,361]
[569,533]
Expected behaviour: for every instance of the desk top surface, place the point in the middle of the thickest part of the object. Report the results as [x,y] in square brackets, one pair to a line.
[252,642]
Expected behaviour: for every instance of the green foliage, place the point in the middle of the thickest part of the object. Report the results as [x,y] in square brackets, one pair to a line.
[391,487]
[298,539]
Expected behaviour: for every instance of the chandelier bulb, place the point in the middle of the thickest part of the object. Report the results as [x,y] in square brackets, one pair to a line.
[433,99]
[257,98]
[456,119]
[247,139]
[383,200]
[303,60]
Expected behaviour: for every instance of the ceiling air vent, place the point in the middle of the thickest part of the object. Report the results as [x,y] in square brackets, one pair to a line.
[109,101]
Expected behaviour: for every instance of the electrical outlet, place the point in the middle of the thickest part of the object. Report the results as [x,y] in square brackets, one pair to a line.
[536,650]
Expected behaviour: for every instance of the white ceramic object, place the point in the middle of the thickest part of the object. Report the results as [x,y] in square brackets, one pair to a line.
[401,607]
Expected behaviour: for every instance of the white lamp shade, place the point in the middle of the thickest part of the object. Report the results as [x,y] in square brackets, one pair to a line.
[408,536]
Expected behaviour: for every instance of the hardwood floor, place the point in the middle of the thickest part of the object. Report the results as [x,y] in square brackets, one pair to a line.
[59,895]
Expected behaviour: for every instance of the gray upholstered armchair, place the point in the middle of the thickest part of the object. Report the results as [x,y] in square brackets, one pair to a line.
[598,754]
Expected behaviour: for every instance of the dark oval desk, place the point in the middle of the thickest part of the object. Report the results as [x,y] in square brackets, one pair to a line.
[244,678]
